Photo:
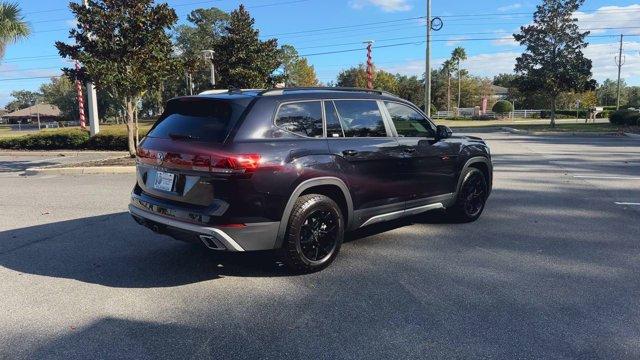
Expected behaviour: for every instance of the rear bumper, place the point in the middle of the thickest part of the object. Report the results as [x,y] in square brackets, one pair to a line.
[251,237]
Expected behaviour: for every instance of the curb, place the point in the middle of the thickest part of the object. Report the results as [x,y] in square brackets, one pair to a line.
[82,170]
[567,134]
[62,153]
[633,136]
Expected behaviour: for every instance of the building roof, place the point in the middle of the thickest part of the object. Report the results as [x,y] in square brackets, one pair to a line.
[42,109]
[499,90]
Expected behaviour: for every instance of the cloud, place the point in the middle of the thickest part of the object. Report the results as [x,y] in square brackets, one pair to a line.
[489,65]
[385,5]
[408,67]
[456,40]
[510,7]
[610,17]
[602,56]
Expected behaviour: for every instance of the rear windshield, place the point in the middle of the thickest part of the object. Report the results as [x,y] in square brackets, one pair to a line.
[206,120]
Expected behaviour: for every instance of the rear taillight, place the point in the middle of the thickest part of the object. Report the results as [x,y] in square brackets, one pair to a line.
[235,163]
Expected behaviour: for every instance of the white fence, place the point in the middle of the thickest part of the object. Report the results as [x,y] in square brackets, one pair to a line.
[473,112]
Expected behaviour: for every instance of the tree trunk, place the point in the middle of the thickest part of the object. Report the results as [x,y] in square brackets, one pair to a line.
[553,111]
[459,86]
[137,132]
[130,127]
[448,92]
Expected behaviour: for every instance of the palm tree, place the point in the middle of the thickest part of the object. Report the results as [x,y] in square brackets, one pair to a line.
[458,55]
[12,25]
[447,68]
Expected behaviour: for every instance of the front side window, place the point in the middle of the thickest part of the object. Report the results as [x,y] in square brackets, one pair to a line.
[408,122]
[303,118]
[360,118]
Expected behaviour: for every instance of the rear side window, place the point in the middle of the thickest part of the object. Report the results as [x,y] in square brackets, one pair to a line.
[302,118]
[360,118]
[206,120]
[408,122]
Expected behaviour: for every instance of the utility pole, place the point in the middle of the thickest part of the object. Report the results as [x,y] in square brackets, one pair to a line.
[619,62]
[92,101]
[208,55]
[427,75]
[369,65]
[38,114]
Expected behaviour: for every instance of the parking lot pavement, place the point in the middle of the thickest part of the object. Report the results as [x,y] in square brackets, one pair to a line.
[550,270]
[11,161]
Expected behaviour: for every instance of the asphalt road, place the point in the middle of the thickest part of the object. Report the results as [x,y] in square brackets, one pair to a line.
[551,270]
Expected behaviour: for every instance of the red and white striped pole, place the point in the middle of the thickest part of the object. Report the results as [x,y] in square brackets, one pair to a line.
[80,99]
[369,65]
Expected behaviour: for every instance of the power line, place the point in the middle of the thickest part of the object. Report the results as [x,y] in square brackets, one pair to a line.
[32,78]
[434,40]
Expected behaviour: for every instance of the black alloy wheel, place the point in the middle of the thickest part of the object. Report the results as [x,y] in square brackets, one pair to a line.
[472,197]
[314,234]
[475,193]
[319,235]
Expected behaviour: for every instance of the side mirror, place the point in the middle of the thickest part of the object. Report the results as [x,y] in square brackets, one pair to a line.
[443,132]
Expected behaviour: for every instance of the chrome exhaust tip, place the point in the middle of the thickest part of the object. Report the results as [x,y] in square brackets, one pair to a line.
[211,242]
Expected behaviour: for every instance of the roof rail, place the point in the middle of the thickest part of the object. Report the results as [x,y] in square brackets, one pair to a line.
[280,91]
[224,91]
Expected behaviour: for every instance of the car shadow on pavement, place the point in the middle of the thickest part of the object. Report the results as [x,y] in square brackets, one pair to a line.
[113,250]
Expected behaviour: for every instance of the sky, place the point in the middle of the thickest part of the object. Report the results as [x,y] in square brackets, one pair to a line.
[330,34]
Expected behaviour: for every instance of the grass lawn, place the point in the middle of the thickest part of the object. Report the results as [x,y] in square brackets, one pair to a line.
[5,132]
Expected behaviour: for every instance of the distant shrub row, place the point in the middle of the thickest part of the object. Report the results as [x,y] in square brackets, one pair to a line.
[72,139]
[625,117]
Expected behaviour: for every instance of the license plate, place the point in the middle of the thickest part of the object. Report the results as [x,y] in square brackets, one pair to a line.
[164,181]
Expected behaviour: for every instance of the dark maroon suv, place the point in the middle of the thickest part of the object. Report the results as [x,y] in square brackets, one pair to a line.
[293,169]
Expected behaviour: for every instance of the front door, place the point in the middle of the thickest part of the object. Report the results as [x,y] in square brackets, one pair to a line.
[430,169]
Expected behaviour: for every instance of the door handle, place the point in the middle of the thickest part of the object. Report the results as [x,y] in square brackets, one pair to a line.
[350,152]
[409,150]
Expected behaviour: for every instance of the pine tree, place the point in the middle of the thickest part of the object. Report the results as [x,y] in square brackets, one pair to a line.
[242,59]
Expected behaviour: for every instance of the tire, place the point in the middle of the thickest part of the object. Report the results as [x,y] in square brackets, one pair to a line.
[314,234]
[472,197]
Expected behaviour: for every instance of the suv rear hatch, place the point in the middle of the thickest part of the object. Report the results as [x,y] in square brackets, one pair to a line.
[182,160]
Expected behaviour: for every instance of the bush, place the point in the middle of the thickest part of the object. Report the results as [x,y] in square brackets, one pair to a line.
[48,140]
[111,137]
[108,142]
[625,117]
[502,107]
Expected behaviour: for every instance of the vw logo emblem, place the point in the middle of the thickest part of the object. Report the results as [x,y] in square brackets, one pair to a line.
[159,158]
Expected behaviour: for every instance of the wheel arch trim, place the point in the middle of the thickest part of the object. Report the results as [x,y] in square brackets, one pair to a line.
[305,185]
[475,160]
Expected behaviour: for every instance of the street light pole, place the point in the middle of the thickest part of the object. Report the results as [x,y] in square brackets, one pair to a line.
[427,76]
[208,55]
[92,102]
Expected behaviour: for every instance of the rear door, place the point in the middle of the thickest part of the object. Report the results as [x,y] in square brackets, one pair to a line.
[430,163]
[370,157]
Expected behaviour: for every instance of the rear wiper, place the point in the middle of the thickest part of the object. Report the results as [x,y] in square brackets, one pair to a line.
[183,136]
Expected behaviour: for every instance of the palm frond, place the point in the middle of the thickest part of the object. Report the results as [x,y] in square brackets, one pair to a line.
[12,25]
